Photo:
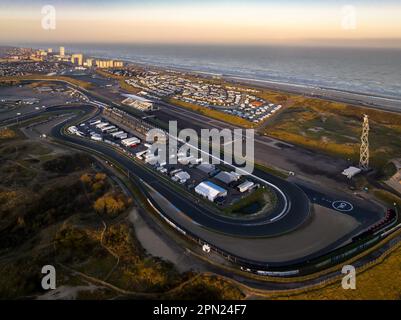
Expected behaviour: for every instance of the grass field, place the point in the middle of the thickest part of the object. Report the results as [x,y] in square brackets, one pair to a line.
[259,201]
[121,80]
[380,281]
[335,128]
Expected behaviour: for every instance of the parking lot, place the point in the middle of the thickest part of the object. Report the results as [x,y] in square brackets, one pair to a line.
[183,169]
[28,99]
[100,129]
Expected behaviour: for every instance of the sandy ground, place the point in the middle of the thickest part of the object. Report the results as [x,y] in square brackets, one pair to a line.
[395,181]
[66,292]
[325,227]
[154,244]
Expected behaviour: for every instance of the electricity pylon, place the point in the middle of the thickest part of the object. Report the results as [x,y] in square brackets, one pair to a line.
[364,156]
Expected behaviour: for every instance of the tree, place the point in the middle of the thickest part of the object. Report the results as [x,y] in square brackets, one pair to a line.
[109,204]
[100,176]
[86,178]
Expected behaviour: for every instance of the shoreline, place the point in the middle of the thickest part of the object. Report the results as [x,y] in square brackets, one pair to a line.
[354,98]
[375,101]
[384,103]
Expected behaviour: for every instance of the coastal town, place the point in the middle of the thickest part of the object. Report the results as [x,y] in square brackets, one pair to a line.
[109,106]
[200,159]
[152,84]
[26,61]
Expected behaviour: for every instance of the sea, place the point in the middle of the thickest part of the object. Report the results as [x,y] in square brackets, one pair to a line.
[371,71]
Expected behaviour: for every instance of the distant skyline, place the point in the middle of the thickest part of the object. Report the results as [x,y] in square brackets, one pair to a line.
[373,23]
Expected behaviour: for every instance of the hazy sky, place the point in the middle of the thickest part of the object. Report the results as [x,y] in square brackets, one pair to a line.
[213,22]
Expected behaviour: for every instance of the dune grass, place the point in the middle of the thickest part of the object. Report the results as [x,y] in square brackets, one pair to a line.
[219,115]
[335,128]
[382,280]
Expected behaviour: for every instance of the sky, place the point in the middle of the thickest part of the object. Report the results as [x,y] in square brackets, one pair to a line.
[201,22]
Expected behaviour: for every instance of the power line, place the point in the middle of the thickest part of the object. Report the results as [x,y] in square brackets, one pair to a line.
[364,152]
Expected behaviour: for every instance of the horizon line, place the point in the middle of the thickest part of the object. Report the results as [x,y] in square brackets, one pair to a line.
[337,42]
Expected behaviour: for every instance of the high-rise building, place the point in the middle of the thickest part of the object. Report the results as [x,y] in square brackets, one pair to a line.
[103,64]
[77,58]
[89,62]
[62,51]
[50,50]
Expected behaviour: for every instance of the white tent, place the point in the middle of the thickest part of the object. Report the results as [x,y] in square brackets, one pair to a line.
[227,177]
[245,186]
[209,190]
[351,171]
[182,176]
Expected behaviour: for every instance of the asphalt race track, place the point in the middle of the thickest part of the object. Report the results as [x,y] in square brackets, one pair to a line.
[292,235]
[290,211]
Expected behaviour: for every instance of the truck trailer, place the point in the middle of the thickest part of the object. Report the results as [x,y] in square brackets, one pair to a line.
[114,134]
[102,125]
[104,129]
[121,136]
[130,142]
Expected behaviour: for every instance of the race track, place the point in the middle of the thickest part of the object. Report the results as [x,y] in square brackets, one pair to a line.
[291,210]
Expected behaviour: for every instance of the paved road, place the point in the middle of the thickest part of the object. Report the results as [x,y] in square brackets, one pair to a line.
[268,151]
[299,203]
[297,197]
[252,283]
[298,210]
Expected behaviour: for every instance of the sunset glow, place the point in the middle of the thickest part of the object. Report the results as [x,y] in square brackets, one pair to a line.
[195,22]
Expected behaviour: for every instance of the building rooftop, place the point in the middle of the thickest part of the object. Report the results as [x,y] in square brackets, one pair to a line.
[227,177]
[210,190]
